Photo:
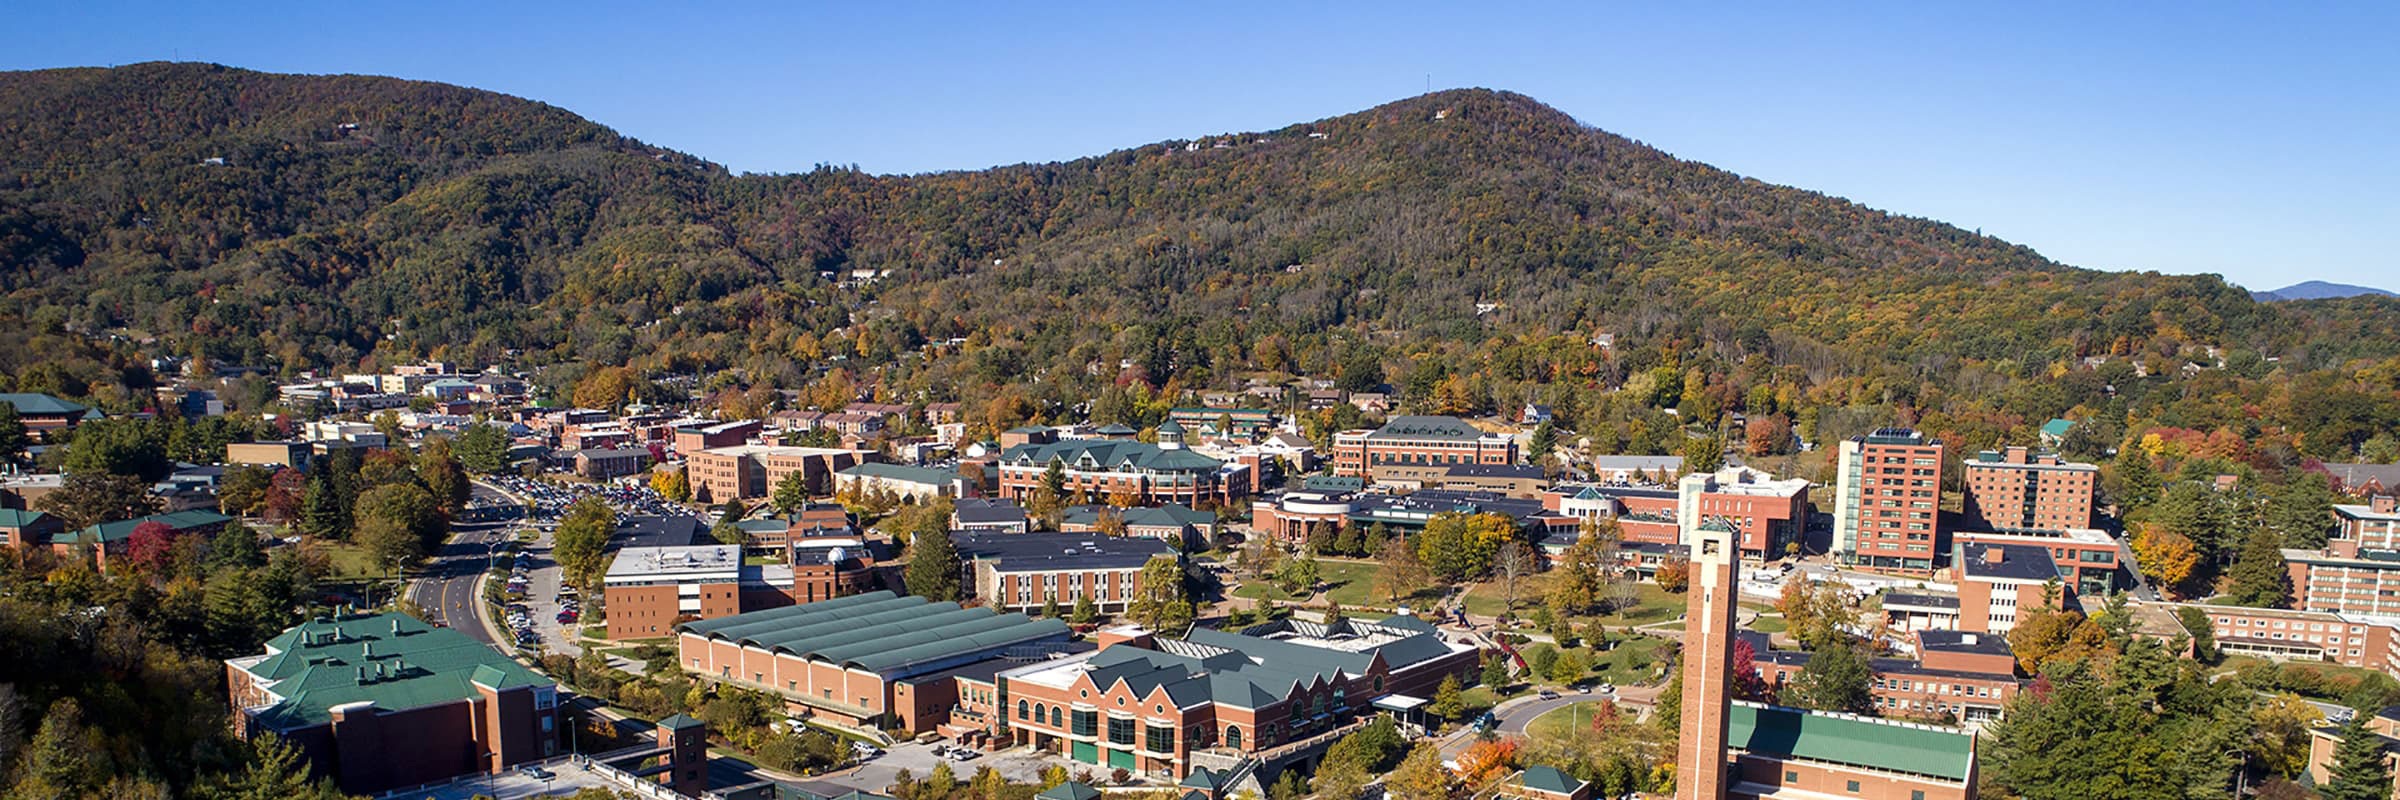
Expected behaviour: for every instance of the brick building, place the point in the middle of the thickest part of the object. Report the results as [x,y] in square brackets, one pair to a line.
[2016,489]
[648,589]
[995,515]
[23,529]
[601,465]
[1152,474]
[2373,525]
[1970,677]
[47,418]
[870,659]
[1176,525]
[1999,582]
[381,701]
[1767,514]
[1887,513]
[1418,441]
[2289,635]
[695,438]
[109,541]
[1023,571]
[749,472]
[2088,560]
[1146,705]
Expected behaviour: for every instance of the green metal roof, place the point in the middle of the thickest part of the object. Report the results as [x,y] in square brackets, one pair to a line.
[1069,791]
[679,722]
[1112,454]
[36,403]
[1852,740]
[120,529]
[878,631]
[390,659]
[18,518]
[1546,778]
[2058,427]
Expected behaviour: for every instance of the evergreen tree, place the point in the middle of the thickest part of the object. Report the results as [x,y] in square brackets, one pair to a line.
[1050,606]
[275,772]
[12,434]
[2137,483]
[791,493]
[321,510]
[2260,577]
[932,571]
[1837,678]
[2301,511]
[483,448]
[2358,771]
[57,763]
[1495,671]
[1086,611]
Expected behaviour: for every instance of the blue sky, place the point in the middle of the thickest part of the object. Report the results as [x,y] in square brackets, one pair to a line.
[2253,142]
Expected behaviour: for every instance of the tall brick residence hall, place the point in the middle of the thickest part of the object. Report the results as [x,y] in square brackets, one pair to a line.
[380,701]
[1751,751]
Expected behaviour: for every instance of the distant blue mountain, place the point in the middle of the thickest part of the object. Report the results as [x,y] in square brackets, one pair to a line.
[2317,290]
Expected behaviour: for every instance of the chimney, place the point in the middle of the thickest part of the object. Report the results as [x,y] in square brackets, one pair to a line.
[2016,455]
[1995,555]
[2383,504]
[395,626]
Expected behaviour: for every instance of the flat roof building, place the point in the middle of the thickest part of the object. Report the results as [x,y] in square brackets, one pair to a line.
[2016,489]
[1888,497]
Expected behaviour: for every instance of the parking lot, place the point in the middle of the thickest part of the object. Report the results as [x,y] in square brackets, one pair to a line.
[544,617]
[547,501]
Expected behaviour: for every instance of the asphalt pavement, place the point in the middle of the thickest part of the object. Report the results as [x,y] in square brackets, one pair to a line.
[448,586]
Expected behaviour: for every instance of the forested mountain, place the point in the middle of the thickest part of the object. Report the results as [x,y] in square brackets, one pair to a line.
[1467,237]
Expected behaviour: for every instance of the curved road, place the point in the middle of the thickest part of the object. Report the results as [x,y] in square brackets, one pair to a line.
[446,588]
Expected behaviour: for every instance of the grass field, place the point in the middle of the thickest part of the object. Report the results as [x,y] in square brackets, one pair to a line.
[1563,722]
[1770,625]
[1350,583]
[349,560]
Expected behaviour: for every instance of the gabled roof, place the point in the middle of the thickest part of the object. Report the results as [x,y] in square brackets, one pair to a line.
[19,518]
[1069,791]
[177,521]
[1852,740]
[1427,427]
[1546,778]
[2058,427]
[42,404]
[1111,454]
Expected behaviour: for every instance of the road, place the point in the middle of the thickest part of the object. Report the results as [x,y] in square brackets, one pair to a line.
[447,588]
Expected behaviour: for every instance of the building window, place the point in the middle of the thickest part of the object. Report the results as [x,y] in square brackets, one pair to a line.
[1233,737]
[1158,739]
[1087,723]
[1120,731]
[1021,709]
[1790,776]
[1853,787]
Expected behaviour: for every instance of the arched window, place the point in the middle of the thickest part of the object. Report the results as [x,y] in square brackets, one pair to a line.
[1233,737]
[1037,712]
[1020,709]
[1055,718]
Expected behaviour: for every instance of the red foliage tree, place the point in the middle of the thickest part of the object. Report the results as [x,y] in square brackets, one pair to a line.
[1747,684]
[151,546]
[284,493]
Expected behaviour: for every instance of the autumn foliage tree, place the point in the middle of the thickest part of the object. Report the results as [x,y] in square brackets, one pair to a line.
[2168,558]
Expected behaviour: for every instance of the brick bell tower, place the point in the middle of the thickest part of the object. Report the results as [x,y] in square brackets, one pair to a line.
[1700,771]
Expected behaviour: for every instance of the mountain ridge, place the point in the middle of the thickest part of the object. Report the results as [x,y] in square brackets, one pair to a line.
[465,223]
[2319,290]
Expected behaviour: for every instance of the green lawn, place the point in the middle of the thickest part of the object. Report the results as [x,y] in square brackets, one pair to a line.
[349,560]
[1350,583]
[1563,723]
[1770,625]
[1633,661]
